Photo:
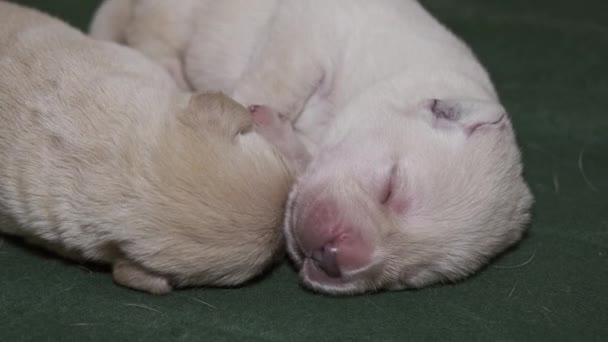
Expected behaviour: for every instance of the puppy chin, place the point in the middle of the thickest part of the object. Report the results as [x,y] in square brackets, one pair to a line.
[315,279]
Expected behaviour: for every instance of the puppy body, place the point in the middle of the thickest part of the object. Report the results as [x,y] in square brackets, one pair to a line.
[103,159]
[415,175]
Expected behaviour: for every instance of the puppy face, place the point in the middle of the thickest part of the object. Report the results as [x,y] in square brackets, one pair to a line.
[408,197]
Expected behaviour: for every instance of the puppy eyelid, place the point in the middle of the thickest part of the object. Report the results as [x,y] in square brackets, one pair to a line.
[388,192]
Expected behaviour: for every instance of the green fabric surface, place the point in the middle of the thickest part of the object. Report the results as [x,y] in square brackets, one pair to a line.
[549,60]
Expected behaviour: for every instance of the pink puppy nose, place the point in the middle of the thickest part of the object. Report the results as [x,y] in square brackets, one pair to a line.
[333,244]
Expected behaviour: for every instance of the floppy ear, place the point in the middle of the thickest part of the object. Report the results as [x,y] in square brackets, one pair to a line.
[216,112]
[466,114]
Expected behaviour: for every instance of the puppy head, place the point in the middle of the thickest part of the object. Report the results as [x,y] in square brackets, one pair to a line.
[408,197]
[212,199]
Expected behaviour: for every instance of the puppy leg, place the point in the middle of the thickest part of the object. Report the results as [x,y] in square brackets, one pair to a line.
[131,275]
[278,130]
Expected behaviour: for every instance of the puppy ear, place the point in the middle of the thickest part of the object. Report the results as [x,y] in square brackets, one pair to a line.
[216,112]
[467,115]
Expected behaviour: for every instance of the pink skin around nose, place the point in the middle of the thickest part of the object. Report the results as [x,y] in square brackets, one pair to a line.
[334,243]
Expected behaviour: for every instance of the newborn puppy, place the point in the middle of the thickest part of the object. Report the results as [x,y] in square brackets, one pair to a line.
[103,159]
[415,175]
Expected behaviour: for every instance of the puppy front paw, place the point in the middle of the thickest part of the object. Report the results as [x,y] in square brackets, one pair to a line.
[129,274]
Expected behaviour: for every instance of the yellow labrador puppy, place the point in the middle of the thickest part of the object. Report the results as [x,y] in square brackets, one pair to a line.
[103,159]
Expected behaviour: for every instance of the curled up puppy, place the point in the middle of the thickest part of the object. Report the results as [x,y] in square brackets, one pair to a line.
[103,159]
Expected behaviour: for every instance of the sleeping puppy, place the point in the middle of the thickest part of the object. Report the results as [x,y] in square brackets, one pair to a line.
[103,159]
[414,175]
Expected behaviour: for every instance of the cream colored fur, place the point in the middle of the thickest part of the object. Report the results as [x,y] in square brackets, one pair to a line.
[103,159]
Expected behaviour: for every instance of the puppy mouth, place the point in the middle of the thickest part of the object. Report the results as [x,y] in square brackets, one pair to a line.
[316,278]
[320,272]
[312,270]
[318,268]
[325,259]
[323,277]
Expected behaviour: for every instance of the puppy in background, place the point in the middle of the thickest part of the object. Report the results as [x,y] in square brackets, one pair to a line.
[103,159]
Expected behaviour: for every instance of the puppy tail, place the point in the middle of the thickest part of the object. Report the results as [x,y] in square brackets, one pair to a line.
[111,20]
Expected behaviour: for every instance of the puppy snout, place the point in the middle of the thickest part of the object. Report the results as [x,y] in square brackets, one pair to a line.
[334,243]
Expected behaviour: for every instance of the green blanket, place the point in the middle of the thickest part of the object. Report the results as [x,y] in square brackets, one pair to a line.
[549,59]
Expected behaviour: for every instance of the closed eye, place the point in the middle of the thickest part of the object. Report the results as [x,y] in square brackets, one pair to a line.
[387,192]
